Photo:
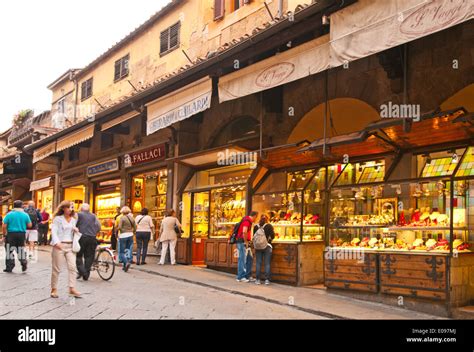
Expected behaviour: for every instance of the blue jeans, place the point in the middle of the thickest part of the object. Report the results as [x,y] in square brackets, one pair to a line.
[266,255]
[245,262]
[125,253]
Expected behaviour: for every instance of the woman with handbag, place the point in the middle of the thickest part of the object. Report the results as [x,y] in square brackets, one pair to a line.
[169,232]
[145,228]
[63,231]
[126,228]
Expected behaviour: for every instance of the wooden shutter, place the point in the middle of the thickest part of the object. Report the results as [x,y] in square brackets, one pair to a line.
[83,90]
[219,9]
[117,70]
[164,43]
[174,35]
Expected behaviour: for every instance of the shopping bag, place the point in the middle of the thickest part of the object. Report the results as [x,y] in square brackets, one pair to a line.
[76,247]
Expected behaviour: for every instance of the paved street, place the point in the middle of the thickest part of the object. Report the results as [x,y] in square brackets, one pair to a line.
[152,292]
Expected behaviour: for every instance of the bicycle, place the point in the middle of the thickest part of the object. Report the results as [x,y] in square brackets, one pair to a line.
[104,262]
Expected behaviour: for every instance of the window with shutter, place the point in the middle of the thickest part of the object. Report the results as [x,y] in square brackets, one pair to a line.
[169,38]
[219,9]
[122,68]
[86,89]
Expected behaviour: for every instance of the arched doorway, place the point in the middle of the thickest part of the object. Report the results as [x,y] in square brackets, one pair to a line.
[348,115]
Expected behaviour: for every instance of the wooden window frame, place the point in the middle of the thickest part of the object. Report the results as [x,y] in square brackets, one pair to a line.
[123,70]
[87,89]
[166,35]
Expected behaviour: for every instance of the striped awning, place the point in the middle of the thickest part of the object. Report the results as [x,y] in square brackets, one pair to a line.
[75,138]
[117,121]
[43,152]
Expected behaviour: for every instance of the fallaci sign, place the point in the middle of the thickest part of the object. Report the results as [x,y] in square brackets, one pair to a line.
[103,168]
[144,156]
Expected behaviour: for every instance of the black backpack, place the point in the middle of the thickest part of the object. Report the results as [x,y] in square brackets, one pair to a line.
[235,233]
[33,217]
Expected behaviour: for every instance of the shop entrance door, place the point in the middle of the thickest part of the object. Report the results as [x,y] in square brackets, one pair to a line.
[200,227]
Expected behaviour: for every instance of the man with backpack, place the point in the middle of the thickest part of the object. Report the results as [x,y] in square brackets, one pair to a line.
[262,243]
[243,239]
[32,233]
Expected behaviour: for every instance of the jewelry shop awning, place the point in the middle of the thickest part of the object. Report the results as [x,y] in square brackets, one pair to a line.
[305,60]
[40,184]
[75,138]
[117,121]
[43,152]
[179,105]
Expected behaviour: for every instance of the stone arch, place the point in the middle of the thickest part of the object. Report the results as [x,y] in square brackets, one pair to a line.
[348,114]
[237,128]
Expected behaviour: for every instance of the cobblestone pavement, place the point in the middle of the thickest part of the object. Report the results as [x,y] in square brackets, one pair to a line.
[178,292]
[135,295]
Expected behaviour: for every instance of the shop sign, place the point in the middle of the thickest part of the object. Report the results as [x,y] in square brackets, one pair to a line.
[435,16]
[40,184]
[180,113]
[144,156]
[103,168]
[275,75]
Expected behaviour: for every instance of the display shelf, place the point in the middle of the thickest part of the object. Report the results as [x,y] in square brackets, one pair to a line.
[425,228]
[358,227]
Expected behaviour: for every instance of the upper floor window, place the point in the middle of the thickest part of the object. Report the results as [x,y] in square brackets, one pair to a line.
[219,7]
[62,106]
[121,68]
[74,153]
[169,39]
[86,89]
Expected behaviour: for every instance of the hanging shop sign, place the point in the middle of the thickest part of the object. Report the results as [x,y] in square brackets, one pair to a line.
[144,156]
[40,184]
[305,60]
[179,105]
[369,27]
[103,168]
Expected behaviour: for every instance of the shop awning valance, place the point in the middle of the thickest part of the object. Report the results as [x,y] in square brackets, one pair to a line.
[211,156]
[305,60]
[75,138]
[179,105]
[40,184]
[117,121]
[369,27]
[43,152]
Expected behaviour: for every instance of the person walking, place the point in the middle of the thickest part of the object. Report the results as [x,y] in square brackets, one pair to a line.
[263,237]
[32,233]
[43,228]
[126,228]
[114,238]
[62,236]
[244,236]
[145,228]
[169,236]
[89,226]
[14,226]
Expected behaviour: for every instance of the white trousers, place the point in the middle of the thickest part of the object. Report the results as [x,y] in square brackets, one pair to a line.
[164,249]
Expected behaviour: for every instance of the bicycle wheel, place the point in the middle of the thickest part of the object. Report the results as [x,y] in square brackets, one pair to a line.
[105,265]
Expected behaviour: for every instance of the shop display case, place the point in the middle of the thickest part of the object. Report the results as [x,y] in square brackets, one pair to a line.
[106,206]
[410,216]
[294,204]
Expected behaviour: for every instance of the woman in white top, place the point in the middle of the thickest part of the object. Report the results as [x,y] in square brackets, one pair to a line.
[62,235]
[169,237]
[145,228]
